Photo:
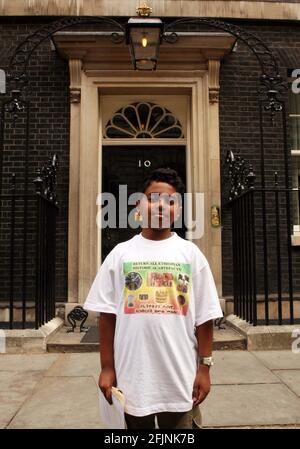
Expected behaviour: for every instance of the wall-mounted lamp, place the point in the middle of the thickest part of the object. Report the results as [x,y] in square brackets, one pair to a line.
[143,35]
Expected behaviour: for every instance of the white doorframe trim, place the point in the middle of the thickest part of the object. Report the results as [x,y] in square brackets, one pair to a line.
[202,150]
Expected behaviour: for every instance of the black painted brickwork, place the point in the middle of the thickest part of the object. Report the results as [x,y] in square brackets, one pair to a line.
[239,131]
[238,123]
[49,134]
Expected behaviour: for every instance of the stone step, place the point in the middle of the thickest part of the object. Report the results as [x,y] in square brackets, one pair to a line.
[228,339]
[62,341]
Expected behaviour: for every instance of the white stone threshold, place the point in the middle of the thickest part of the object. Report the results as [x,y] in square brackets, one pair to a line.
[263,338]
[20,341]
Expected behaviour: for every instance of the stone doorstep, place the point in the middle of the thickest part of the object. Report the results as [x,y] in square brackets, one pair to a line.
[72,348]
[227,339]
[30,340]
[92,319]
[263,338]
[62,341]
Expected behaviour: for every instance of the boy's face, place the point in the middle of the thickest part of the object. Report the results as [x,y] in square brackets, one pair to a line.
[160,205]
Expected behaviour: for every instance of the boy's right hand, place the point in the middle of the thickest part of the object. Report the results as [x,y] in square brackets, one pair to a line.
[107,379]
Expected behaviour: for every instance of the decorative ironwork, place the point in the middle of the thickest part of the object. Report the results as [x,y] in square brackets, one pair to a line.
[262,261]
[17,78]
[271,81]
[240,175]
[16,73]
[16,104]
[265,57]
[45,256]
[271,87]
[220,323]
[24,51]
[45,182]
[77,314]
[143,120]
[259,266]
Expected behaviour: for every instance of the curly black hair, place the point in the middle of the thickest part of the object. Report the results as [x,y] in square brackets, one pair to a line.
[167,175]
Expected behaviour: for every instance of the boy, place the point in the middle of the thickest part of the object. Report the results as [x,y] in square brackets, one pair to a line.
[156,339]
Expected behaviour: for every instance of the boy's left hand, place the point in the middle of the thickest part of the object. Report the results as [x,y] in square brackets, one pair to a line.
[201,386]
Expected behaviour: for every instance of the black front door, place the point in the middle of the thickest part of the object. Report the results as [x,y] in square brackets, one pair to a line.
[129,165]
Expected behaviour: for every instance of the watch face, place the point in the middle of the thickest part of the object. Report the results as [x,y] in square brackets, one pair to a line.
[206,361]
[133,280]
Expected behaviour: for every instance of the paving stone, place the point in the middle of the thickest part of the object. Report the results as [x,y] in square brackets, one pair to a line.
[279,359]
[60,391]
[26,362]
[61,403]
[291,378]
[15,388]
[250,405]
[72,365]
[239,367]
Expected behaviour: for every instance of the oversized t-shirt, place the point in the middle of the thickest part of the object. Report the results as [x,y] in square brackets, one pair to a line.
[159,290]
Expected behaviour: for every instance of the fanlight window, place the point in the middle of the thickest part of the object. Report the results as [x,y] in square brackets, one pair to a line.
[143,121]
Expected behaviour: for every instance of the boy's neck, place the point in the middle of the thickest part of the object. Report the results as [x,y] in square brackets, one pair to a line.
[156,234]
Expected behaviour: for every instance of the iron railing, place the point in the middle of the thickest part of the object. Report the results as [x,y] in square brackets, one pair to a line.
[28,252]
[263,287]
[253,241]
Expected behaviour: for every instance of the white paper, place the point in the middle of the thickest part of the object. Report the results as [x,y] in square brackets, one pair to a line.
[112,416]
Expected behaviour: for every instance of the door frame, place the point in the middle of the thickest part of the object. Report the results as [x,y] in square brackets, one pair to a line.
[203,161]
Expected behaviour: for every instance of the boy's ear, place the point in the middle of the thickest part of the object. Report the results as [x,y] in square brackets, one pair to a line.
[137,203]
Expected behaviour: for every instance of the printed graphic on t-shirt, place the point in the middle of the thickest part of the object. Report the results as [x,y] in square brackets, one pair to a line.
[157,287]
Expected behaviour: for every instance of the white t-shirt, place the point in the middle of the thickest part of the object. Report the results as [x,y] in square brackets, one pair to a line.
[159,291]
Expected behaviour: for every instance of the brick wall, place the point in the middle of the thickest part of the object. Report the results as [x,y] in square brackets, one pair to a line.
[239,131]
[48,134]
[239,128]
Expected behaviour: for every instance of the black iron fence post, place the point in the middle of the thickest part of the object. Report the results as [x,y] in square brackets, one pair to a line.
[278,238]
[250,277]
[253,257]
[38,261]
[45,184]
[12,250]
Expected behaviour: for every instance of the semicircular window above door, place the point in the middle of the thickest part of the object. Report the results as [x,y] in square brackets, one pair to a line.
[143,121]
